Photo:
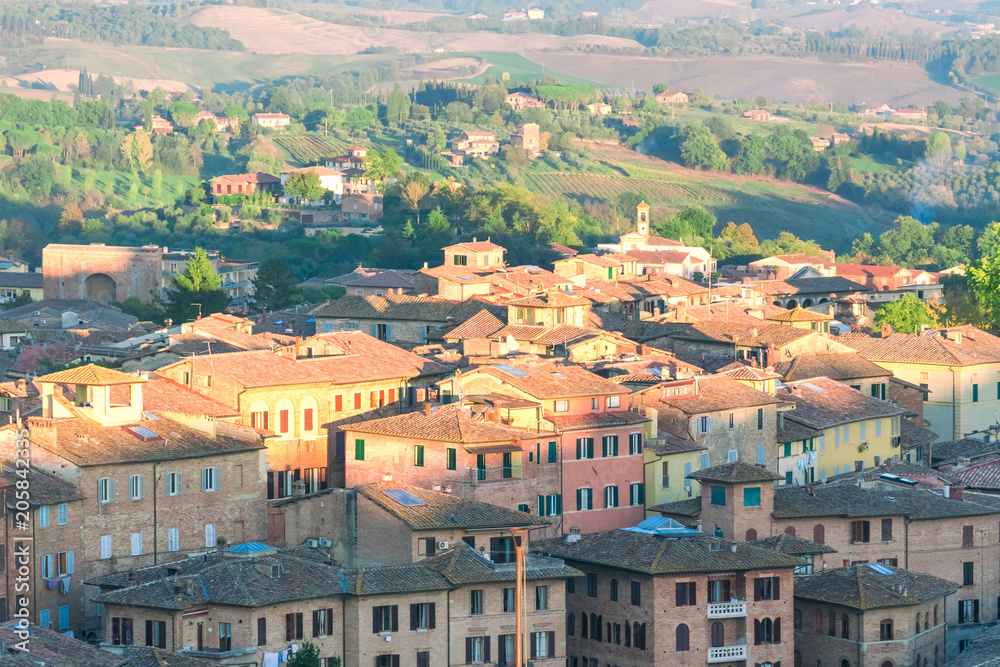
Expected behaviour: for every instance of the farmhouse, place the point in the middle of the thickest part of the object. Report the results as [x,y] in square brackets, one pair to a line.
[271,119]
[363,207]
[672,97]
[331,180]
[758,115]
[527,137]
[519,100]
[158,125]
[911,114]
[475,144]
[221,123]
[243,184]
[599,109]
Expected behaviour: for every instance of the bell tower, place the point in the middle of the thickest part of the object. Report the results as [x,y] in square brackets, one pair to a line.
[642,218]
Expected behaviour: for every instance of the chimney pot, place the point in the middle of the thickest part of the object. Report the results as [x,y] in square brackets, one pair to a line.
[427,409]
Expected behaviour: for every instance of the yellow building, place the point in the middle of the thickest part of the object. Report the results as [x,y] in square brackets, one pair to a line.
[803,319]
[669,460]
[834,429]
[15,284]
[957,367]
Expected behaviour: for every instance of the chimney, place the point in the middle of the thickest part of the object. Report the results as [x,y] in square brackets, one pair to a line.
[387,477]
[574,535]
[178,588]
[957,493]
[427,409]
[298,339]
[812,490]
[447,489]
[886,330]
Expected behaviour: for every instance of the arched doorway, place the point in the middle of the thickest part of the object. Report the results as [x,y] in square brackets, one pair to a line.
[100,287]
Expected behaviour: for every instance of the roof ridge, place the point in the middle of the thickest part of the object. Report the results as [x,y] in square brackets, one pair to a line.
[862,595]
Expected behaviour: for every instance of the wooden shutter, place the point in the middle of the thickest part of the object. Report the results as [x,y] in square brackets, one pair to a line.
[375,627]
[777,631]
[486,643]
[149,633]
[775,588]
[431,620]
[967,538]
[756,632]
[289,627]
[316,629]
[414,611]
[298,625]
[307,419]
[329,622]
[534,645]
[975,611]
[395,660]
[395,618]
[262,631]
[854,532]
[552,644]
[338,403]
[756,590]
[468,650]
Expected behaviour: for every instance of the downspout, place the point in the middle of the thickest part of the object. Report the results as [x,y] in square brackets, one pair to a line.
[906,543]
[448,623]
[954,406]
[155,528]
[861,627]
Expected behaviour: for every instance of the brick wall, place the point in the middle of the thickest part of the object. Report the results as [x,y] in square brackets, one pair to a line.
[135,271]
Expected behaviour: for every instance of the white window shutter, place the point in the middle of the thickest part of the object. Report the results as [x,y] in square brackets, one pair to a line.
[216,478]
[105,546]
[209,534]
[136,544]
[173,539]
[69,562]
[63,511]
[111,489]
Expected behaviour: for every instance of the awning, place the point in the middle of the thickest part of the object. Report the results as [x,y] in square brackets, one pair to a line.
[501,448]
[509,402]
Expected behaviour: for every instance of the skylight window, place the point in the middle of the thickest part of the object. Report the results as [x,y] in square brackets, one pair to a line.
[881,569]
[403,497]
[511,371]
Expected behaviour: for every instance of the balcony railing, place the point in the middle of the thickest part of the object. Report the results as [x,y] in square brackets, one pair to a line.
[727,610]
[726,654]
[480,475]
[535,425]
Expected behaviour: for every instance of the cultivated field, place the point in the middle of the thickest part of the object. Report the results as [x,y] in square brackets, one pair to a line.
[308,150]
[67,81]
[768,205]
[787,79]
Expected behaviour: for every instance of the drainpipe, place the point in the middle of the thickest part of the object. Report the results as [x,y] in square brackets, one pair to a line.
[155,531]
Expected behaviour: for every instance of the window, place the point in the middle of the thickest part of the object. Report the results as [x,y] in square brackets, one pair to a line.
[64,563]
[502,549]
[845,626]
[767,588]
[426,546]
[610,497]
[591,585]
[570,624]
[262,631]
[819,534]
[760,419]
[293,626]
[968,536]
[553,456]
[860,532]
[636,593]
[136,544]
[614,401]
[767,631]
[719,591]
[359,450]
[968,573]
[460,260]
[173,539]
[451,458]
[173,484]
[509,601]
[307,420]
[106,490]
[477,650]
[210,535]
[704,424]
[683,638]
[584,448]
[925,390]
[635,443]
[543,645]
[885,630]
[283,421]
[225,636]
[418,456]
[550,505]
[561,406]
[136,487]
[637,494]
[968,611]
[703,463]
[685,594]
[732,420]
[609,445]
[385,618]
[541,598]
[156,634]
[595,403]
[121,628]
[357,400]
[210,479]
[751,496]
[476,602]
[386,659]
[584,499]
[664,475]
[43,516]
[719,496]
[975,393]
[886,530]
[259,420]
[105,546]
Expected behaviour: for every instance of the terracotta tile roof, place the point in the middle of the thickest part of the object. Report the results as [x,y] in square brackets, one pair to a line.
[834,365]
[46,489]
[911,435]
[550,300]
[443,510]
[984,651]
[738,370]
[792,258]
[870,270]
[732,312]
[567,333]
[656,554]
[824,286]
[736,472]
[91,375]
[791,545]
[690,507]
[604,261]
[933,347]
[388,279]
[404,579]
[715,393]
[147,656]
[563,250]
[395,306]
[642,331]
[477,246]
[463,565]
[458,274]
[862,587]
[795,432]
[37,359]
[448,423]
[301,323]
[86,443]
[49,648]
[822,403]
[764,335]
[483,324]
[161,394]
[953,450]
[882,499]
[982,476]
[798,314]
[260,178]
[596,420]
[666,443]
[543,379]
[659,257]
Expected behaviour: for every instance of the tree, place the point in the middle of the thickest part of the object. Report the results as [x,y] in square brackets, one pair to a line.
[308,656]
[983,280]
[751,156]
[692,221]
[183,113]
[274,287]
[381,165]
[198,284]
[137,150]
[360,118]
[416,187]
[906,315]
[699,148]
[71,219]
[305,185]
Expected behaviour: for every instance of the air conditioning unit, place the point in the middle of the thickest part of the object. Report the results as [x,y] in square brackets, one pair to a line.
[313,543]
[323,542]
[443,545]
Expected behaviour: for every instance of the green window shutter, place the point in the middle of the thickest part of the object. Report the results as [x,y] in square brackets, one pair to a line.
[559,503]
[418,456]
[604,446]
[552,445]
[359,450]
[788,449]
[452,455]
[614,445]
[590,499]
[579,448]
[751,496]
[541,505]
[642,494]
[579,500]
[590,448]
[788,477]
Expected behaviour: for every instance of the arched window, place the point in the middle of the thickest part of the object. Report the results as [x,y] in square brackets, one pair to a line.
[819,534]
[570,624]
[751,535]
[593,662]
[845,626]
[683,637]
[798,659]
[918,623]
[790,531]
[628,633]
[845,663]
[259,416]
[797,619]
[927,620]
[832,626]
[935,616]
[885,630]
[818,621]
[718,635]
[639,635]
[888,663]
[609,636]
[614,590]
[767,631]
[583,626]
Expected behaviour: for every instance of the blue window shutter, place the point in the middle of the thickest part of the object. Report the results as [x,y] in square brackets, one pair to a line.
[388,332]
[69,562]
[43,618]
[374,330]
[760,455]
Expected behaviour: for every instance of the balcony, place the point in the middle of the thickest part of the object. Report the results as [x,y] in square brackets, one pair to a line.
[726,654]
[727,610]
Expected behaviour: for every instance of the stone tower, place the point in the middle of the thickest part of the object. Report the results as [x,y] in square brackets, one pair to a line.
[642,218]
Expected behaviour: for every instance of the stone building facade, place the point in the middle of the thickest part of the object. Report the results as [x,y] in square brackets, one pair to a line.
[107,274]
